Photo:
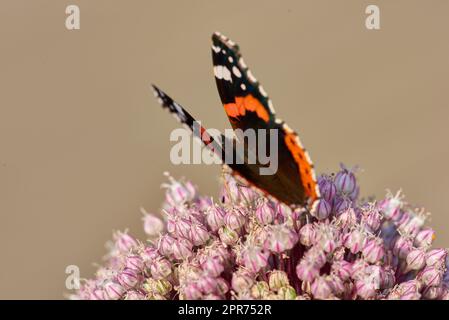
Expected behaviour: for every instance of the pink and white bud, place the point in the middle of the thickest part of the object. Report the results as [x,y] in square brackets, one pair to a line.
[152,225]
[307,235]
[242,281]
[215,217]
[436,257]
[354,240]
[345,181]
[365,288]
[402,247]
[307,271]
[213,266]
[321,289]
[342,203]
[235,219]
[207,284]
[165,245]
[281,238]
[128,278]
[372,219]
[431,276]
[327,188]
[416,259]
[342,269]
[424,238]
[265,213]
[124,242]
[182,249]
[432,293]
[161,268]
[198,234]
[373,251]
[113,290]
[134,295]
[322,209]
[192,292]
[134,262]
[278,279]
[392,207]
[347,219]
[254,258]
[228,236]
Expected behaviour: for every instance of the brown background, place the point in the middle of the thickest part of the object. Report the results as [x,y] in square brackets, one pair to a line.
[83,143]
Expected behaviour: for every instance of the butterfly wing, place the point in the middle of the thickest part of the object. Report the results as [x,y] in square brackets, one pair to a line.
[248,106]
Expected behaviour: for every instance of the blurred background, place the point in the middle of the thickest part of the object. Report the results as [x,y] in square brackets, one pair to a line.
[83,143]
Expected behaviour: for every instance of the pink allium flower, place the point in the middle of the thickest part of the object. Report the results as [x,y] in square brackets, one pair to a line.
[248,246]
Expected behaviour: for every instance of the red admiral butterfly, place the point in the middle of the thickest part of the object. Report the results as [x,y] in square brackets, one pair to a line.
[248,107]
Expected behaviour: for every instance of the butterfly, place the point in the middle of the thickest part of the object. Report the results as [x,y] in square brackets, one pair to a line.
[248,106]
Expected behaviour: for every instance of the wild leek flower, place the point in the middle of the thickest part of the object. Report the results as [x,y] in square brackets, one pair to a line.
[246,246]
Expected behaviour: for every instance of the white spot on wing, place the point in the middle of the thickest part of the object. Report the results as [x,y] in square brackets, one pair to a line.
[270,106]
[226,74]
[236,72]
[216,49]
[231,60]
[263,92]
[250,76]
[242,63]
[243,86]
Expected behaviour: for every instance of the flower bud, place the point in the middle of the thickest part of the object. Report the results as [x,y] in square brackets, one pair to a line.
[345,181]
[124,242]
[259,290]
[424,238]
[307,271]
[402,247]
[432,293]
[277,280]
[198,234]
[192,292]
[182,249]
[228,236]
[161,287]
[165,245]
[128,278]
[215,217]
[307,235]
[281,238]
[322,209]
[327,188]
[207,284]
[265,213]
[254,258]
[287,293]
[365,288]
[235,219]
[392,207]
[213,266]
[416,259]
[161,268]
[354,240]
[134,295]
[134,262]
[342,269]
[431,276]
[152,225]
[373,250]
[320,289]
[347,219]
[113,290]
[241,281]
[436,257]
[342,203]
